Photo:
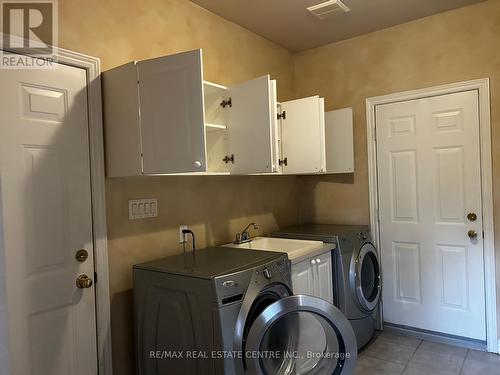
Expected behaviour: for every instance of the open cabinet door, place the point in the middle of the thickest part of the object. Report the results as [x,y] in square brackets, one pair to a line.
[172,115]
[250,126]
[339,140]
[302,136]
[275,132]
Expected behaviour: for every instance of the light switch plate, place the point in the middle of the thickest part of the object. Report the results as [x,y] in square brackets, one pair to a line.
[142,208]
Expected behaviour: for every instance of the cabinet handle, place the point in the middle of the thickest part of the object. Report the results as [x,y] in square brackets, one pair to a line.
[197,164]
[318,260]
[313,262]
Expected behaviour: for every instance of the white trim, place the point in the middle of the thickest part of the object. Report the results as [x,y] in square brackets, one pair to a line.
[94,102]
[103,309]
[483,87]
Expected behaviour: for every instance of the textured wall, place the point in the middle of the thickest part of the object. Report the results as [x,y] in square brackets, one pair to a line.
[449,47]
[118,31]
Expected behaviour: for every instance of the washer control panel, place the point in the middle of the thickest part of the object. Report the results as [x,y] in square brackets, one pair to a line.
[278,270]
[267,273]
[232,288]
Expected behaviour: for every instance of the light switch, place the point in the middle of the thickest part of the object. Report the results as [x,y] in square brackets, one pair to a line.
[142,208]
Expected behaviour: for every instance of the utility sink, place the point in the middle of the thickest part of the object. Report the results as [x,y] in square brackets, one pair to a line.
[297,250]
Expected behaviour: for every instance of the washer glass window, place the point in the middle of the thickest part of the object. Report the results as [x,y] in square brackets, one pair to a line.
[366,278]
[369,277]
[298,342]
[301,335]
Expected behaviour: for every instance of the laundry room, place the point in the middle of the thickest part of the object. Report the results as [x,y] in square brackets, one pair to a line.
[265,187]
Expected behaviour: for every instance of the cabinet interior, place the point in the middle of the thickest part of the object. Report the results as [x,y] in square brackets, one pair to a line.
[216,127]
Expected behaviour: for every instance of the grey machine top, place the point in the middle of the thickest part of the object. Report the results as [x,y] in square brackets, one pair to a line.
[210,262]
[321,232]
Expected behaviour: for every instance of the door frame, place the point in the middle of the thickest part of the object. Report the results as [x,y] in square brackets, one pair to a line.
[92,66]
[483,88]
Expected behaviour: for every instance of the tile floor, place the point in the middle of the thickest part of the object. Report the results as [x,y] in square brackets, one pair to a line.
[392,354]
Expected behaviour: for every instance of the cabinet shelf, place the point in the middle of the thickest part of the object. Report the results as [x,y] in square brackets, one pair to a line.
[215,127]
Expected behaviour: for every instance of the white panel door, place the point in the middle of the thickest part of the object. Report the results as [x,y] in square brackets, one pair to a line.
[46,214]
[303,278]
[250,126]
[325,277]
[429,181]
[172,114]
[302,136]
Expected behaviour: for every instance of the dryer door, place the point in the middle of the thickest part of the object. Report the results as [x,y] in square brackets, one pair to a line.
[365,276]
[301,335]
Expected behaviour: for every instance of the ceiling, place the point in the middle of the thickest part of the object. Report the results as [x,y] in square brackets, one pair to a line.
[288,23]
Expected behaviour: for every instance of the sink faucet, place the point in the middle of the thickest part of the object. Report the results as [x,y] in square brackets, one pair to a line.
[244,236]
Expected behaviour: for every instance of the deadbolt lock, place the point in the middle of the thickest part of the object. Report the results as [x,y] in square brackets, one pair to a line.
[83,282]
[471,216]
[81,255]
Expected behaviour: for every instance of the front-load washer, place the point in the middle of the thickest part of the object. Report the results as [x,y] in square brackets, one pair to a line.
[231,311]
[357,281]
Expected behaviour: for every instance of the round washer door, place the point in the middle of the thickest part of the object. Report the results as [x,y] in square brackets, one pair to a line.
[301,335]
[367,282]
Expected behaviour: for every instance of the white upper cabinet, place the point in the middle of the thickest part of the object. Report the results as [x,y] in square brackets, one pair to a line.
[172,114]
[302,136]
[339,141]
[161,117]
[311,141]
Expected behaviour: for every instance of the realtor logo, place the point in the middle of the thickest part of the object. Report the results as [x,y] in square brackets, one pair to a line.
[29,26]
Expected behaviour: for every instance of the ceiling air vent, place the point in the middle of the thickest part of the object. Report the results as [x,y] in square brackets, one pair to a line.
[328,9]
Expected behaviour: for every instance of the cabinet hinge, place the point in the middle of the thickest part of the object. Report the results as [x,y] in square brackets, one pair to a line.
[282,115]
[228,159]
[226,103]
[283,161]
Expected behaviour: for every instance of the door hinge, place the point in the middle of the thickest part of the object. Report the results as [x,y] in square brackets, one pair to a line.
[282,115]
[226,103]
[228,159]
[283,161]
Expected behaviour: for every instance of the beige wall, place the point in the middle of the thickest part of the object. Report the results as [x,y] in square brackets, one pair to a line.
[118,31]
[455,46]
[449,47]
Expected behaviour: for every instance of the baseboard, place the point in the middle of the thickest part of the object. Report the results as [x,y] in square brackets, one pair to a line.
[437,337]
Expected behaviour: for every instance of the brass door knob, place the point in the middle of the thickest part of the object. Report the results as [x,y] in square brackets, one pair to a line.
[472,233]
[83,282]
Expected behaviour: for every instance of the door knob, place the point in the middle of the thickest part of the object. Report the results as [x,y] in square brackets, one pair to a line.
[318,260]
[197,164]
[313,262]
[472,233]
[83,282]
